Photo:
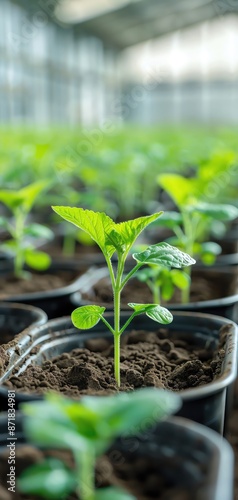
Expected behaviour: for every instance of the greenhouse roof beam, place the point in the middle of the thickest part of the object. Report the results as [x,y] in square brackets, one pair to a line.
[142,20]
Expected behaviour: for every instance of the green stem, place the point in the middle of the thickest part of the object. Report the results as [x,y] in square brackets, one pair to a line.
[156,293]
[185,293]
[68,245]
[117,306]
[18,236]
[130,274]
[127,323]
[18,262]
[190,234]
[85,472]
[117,339]
[111,272]
[107,325]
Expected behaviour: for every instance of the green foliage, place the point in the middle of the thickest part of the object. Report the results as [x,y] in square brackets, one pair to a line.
[119,238]
[163,281]
[163,254]
[194,222]
[20,204]
[50,479]
[87,428]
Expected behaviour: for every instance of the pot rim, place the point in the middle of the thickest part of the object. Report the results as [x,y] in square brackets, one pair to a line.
[76,297]
[39,317]
[75,285]
[62,324]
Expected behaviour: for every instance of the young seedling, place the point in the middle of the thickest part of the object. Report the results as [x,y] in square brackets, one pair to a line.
[20,204]
[119,238]
[87,428]
[193,223]
[162,281]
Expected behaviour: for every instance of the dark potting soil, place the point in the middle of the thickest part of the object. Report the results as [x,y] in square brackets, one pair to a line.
[11,286]
[202,288]
[149,471]
[158,359]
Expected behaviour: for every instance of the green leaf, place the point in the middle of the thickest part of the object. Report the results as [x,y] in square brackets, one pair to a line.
[218,228]
[211,247]
[165,255]
[153,311]
[51,432]
[9,246]
[180,279]
[112,494]
[39,231]
[63,412]
[37,260]
[103,230]
[130,230]
[12,199]
[208,258]
[115,240]
[217,211]
[49,479]
[24,197]
[97,224]
[31,192]
[86,317]
[128,413]
[180,189]
[84,238]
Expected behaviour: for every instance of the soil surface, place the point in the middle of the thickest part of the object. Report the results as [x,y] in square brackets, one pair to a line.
[167,467]
[203,287]
[11,286]
[153,358]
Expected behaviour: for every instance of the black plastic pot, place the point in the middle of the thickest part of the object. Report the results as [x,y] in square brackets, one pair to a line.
[6,263]
[180,453]
[15,318]
[204,404]
[56,302]
[226,306]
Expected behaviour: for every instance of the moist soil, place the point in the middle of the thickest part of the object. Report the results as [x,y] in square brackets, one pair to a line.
[203,288]
[11,286]
[159,359]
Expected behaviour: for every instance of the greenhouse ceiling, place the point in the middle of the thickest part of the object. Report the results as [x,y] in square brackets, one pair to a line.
[123,23]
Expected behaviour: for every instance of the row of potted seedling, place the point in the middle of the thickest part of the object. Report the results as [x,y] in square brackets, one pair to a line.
[118,238]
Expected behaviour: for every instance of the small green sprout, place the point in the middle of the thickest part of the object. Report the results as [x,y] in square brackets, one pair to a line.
[87,428]
[193,223]
[20,203]
[119,238]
